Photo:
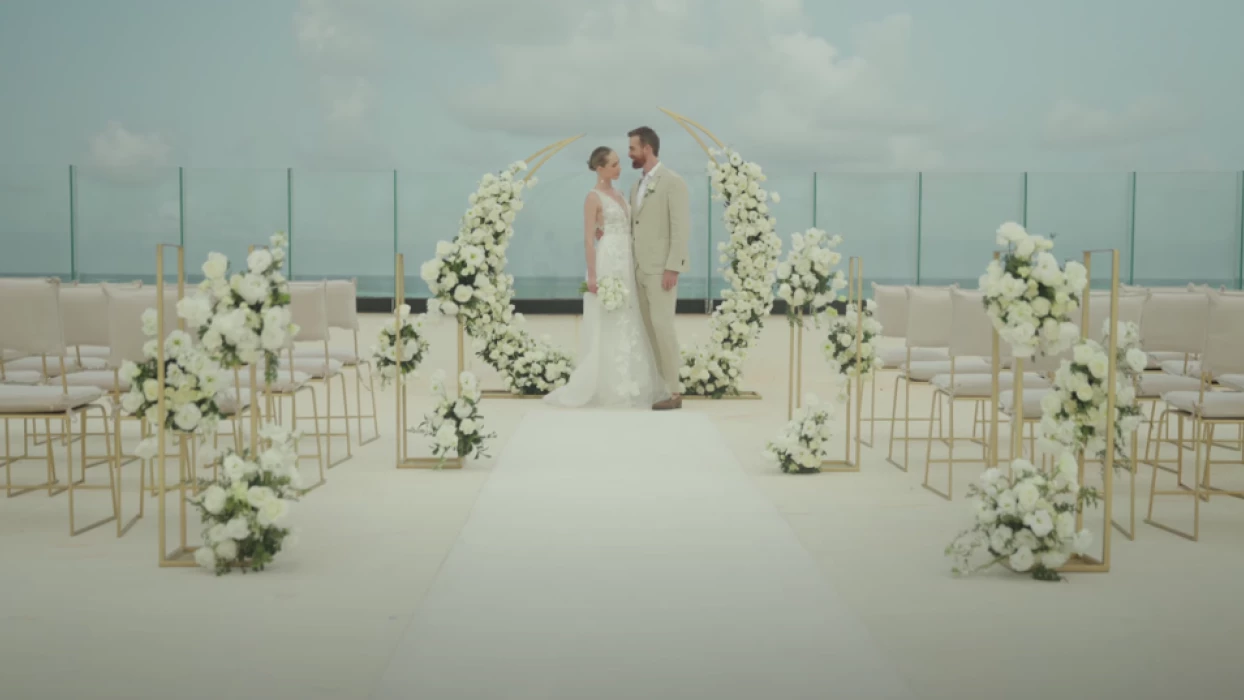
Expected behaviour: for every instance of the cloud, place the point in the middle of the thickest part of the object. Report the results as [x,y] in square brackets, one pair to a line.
[1074,126]
[117,148]
[747,70]
[337,40]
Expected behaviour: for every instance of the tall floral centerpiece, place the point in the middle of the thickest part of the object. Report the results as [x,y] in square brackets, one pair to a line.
[243,318]
[840,347]
[1074,412]
[807,279]
[1026,522]
[1030,298]
[244,508]
[749,258]
[191,385]
[400,346]
[468,282]
[456,425]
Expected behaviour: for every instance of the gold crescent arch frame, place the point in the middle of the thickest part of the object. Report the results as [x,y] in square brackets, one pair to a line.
[537,160]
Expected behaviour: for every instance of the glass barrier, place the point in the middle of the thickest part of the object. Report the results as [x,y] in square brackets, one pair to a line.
[35,222]
[1188,229]
[94,224]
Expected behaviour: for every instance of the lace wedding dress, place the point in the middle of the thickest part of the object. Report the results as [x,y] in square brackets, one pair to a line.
[616,367]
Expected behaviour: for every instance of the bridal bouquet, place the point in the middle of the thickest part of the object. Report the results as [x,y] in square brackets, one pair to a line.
[456,426]
[807,278]
[750,258]
[1030,298]
[803,444]
[191,383]
[611,292]
[399,350]
[1073,412]
[244,507]
[840,347]
[243,318]
[1028,522]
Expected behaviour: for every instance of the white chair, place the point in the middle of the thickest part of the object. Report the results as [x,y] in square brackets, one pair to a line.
[971,337]
[891,312]
[308,307]
[1174,324]
[1207,409]
[343,315]
[30,322]
[928,326]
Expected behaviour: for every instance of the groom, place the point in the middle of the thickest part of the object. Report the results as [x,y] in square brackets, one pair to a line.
[660,221]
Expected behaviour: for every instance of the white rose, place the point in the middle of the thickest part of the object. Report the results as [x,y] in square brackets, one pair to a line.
[237,528]
[227,550]
[259,260]
[216,266]
[272,512]
[1022,560]
[205,557]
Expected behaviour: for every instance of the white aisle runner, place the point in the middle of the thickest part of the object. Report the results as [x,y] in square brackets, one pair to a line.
[625,555]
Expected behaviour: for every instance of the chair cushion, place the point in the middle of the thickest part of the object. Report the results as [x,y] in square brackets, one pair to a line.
[1231,381]
[34,363]
[1153,386]
[1032,402]
[92,351]
[282,384]
[104,379]
[1216,404]
[1180,368]
[316,367]
[22,377]
[925,371]
[981,385]
[231,401]
[343,355]
[897,355]
[45,399]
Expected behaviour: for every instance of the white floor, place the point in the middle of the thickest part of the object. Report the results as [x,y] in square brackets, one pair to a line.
[618,555]
[92,616]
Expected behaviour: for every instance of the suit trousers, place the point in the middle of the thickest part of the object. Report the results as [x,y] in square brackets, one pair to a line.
[657,307]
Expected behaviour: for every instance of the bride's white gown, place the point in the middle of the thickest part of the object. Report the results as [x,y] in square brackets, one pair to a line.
[616,367]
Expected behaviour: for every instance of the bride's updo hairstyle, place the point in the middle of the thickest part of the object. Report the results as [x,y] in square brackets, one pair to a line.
[599,158]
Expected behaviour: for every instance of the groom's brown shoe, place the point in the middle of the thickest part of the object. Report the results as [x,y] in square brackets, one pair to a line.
[670,404]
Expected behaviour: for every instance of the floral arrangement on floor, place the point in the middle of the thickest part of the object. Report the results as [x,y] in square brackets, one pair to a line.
[807,280]
[1029,297]
[1073,412]
[750,258]
[410,339]
[803,444]
[243,318]
[610,291]
[456,425]
[191,385]
[1027,522]
[467,281]
[840,346]
[243,509]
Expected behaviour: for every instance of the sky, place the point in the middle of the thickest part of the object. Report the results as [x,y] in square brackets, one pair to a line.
[468,85]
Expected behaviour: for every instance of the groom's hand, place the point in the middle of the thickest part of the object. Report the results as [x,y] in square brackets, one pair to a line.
[669,280]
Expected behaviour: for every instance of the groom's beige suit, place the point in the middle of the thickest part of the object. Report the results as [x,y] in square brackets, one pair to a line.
[660,228]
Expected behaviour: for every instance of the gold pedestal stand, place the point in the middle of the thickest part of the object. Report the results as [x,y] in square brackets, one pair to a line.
[404,458]
[850,461]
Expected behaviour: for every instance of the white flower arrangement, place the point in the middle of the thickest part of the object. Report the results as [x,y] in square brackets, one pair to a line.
[456,425]
[1029,297]
[1028,522]
[840,346]
[408,341]
[612,293]
[750,259]
[803,444]
[244,508]
[1073,412]
[467,280]
[191,385]
[807,279]
[244,318]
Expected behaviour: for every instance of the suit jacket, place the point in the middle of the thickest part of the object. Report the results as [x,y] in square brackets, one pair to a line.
[661,226]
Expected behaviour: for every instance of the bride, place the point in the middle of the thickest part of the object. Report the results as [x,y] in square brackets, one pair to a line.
[616,367]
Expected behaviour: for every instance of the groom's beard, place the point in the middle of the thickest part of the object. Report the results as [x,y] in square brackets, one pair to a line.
[636,164]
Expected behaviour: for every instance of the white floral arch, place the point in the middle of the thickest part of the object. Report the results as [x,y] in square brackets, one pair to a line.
[467,277]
